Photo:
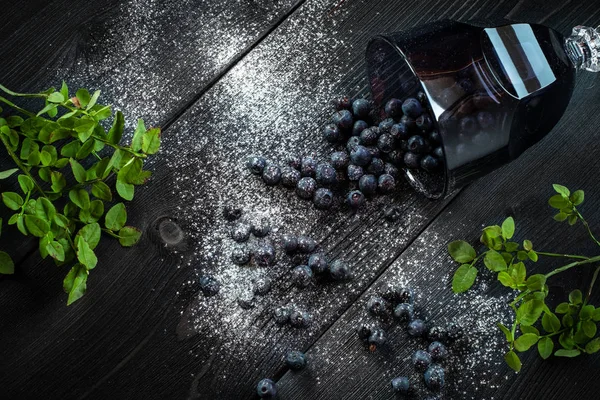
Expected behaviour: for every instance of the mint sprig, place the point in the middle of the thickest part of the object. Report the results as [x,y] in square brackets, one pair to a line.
[69,169]
[575,331]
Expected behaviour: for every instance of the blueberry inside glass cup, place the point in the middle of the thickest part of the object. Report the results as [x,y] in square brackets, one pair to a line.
[491,93]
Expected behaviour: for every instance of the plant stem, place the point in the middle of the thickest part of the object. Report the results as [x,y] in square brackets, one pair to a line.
[589,292]
[34,95]
[118,147]
[20,165]
[556,333]
[542,253]
[16,107]
[587,226]
[111,233]
[571,265]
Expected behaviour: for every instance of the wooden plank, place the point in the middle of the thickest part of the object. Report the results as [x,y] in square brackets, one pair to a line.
[131,333]
[341,366]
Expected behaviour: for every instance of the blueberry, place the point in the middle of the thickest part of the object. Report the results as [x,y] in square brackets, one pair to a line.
[261,228]
[326,174]
[302,276]
[386,125]
[240,233]
[355,199]
[306,187]
[438,153]
[435,137]
[293,161]
[392,170]
[386,143]
[343,103]
[409,122]
[377,338]
[424,122]
[421,360]
[412,160]
[317,262]
[404,312]
[374,151]
[295,360]
[430,163]
[256,164]
[340,159]
[361,108]
[290,243]
[437,350]
[240,256]
[231,213]
[308,167]
[393,108]
[437,334]
[376,167]
[418,145]
[368,184]
[246,301]
[266,389]
[454,331]
[399,131]
[339,271]
[358,127]
[271,175]
[262,286]
[209,285]
[401,385]
[343,119]
[355,172]
[264,254]
[331,133]
[468,124]
[299,259]
[434,377]
[396,157]
[368,137]
[290,177]
[299,319]
[396,293]
[281,315]
[485,119]
[412,107]
[386,183]
[352,142]
[393,213]
[377,306]
[422,97]
[403,145]
[306,244]
[417,327]
[363,331]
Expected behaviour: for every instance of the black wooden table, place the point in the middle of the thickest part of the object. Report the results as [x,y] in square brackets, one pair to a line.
[227,79]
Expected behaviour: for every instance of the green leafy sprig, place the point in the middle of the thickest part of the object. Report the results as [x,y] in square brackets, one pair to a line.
[574,333]
[69,168]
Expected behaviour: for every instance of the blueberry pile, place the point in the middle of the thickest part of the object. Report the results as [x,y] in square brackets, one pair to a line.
[395,303]
[370,153]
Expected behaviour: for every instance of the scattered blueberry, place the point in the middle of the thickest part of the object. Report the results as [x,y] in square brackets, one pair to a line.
[412,160]
[302,276]
[295,360]
[299,259]
[231,213]
[323,199]
[386,143]
[392,170]
[308,167]
[468,124]
[281,315]
[355,172]
[437,350]
[293,161]
[358,127]
[262,286]
[256,164]
[261,228]
[306,244]
[386,183]
[271,175]
[434,377]
[399,132]
[437,334]
[331,133]
[306,187]
[290,243]
[485,119]
[326,174]
[340,159]
[359,155]
[416,327]
[401,385]
[377,306]
[266,389]
[241,232]
[352,142]
[290,177]
[393,108]
[246,301]
[317,262]
[438,152]
[264,254]
[386,125]
[422,97]
[299,319]
[209,285]
[397,294]
[421,360]
[368,137]
[412,107]
[368,184]
[240,256]
[408,121]
[361,108]
[404,312]
[343,119]
[393,213]
[430,163]
[339,270]
[396,157]
[435,137]
[343,104]
[454,331]
[374,151]
[363,331]
[377,338]
[424,122]
[355,199]
[416,144]
[377,166]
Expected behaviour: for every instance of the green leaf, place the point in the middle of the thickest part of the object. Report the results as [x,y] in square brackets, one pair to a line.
[562,190]
[566,340]
[550,323]
[116,217]
[58,181]
[589,328]
[7,173]
[507,332]
[85,150]
[80,198]
[26,183]
[464,277]
[21,225]
[136,142]
[572,219]
[93,100]
[101,191]
[494,261]
[533,256]
[47,109]
[562,308]
[78,171]
[151,141]
[70,149]
[75,283]
[12,200]
[36,225]
[559,202]
[125,190]
[116,131]
[518,272]
[586,312]
[560,217]
[506,280]
[524,342]
[56,251]
[522,255]
[577,197]
[536,282]
[593,346]
[85,254]
[567,353]
[512,359]
[129,236]
[85,128]
[567,320]
[84,97]
[91,234]
[545,347]
[508,228]
[596,315]
[7,267]
[511,246]
[529,312]
[575,297]
[45,209]
[461,251]
[64,90]
[56,97]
